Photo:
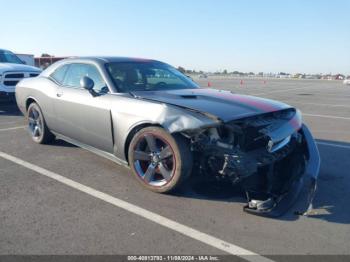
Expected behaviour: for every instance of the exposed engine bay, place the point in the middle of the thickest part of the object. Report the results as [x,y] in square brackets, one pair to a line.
[265,154]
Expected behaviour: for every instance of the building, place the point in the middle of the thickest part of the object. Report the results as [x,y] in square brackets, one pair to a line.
[28,59]
[46,61]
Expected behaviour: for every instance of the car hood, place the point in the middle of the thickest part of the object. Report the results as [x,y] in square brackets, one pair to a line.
[221,104]
[4,67]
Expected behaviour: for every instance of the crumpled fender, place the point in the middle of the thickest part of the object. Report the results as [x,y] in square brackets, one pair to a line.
[174,119]
[281,131]
[313,167]
[276,208]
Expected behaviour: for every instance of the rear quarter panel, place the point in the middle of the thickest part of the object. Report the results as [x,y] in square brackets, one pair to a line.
[40,89]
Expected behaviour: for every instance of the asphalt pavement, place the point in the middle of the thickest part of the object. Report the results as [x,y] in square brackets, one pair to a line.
[40,215]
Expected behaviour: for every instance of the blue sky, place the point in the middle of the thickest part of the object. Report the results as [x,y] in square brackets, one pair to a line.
[311,36]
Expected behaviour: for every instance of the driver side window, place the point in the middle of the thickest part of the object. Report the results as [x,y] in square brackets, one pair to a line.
[77,71]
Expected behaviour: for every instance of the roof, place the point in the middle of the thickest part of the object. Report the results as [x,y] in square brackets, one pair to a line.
[111,59]
[4,50]
[99,60]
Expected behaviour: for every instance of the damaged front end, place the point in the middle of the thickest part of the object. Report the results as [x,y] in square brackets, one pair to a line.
[269,155]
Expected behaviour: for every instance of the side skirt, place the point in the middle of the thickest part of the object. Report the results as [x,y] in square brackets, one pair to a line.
[93,150]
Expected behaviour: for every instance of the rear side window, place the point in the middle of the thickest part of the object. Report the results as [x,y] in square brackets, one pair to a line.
[60,73]
[77,71]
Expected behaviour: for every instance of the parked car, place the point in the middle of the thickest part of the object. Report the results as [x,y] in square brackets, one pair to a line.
[167,129]
[346,82]
[12,70]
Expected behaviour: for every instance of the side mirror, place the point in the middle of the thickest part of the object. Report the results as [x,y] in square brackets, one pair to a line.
[87,83]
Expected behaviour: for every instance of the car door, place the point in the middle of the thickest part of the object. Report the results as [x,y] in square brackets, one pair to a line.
[81,116]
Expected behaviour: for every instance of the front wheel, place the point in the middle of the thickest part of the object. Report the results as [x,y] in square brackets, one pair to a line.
[160,161]
[37,125]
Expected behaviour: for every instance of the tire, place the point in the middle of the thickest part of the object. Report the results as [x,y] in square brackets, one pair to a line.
[160,161]
[37,126]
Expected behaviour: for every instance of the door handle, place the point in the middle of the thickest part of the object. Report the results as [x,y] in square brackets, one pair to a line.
[59,94]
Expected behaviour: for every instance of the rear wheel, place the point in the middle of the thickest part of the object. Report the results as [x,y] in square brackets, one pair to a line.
[37,125]
[160,162]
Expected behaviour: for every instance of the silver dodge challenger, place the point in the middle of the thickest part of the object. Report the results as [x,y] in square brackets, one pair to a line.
[147,115]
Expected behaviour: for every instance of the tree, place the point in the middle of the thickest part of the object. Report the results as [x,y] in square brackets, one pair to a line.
[181,69]
[225,72]
[46,55]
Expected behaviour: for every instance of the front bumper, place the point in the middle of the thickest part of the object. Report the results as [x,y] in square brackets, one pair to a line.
[277,206]
[6,89]
[7,95]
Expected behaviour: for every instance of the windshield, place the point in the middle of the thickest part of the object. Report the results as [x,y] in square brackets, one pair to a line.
[147,76]
[8,57]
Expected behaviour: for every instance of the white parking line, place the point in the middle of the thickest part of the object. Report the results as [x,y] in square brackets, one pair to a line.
[334,145]
[326,116]
[329,99]
[11,122]
[12,128]
[332,94]
[163,221]
[316,104]
[335,132]
[284,90]
[276,91]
